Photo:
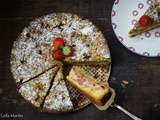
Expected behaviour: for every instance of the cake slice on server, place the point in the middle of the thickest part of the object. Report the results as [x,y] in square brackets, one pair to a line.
[150,20]
[35,90]
[58,98]
[97,91]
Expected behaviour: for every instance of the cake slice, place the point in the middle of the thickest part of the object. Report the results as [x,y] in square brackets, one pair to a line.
[31,61]
[96,91]
[35,90]
[58,98]
[150,20]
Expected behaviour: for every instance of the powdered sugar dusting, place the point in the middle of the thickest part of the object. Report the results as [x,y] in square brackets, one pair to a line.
[87,30]
[80,50]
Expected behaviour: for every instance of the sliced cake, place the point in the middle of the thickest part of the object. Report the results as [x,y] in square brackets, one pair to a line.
[50,41]
[150,20]
[95,90]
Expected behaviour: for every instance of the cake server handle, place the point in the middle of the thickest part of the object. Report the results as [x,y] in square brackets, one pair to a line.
[111,103]
[126,112]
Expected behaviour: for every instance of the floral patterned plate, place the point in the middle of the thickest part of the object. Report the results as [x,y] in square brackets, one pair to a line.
[125,14]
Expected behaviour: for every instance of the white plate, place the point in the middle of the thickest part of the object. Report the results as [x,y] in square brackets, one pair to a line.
[125,14]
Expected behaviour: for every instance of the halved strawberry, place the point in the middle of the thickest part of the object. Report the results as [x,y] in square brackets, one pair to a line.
[58,42]
[57,55]
[145,21]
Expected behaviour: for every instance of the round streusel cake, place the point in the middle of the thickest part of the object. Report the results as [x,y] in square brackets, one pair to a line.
[41,79]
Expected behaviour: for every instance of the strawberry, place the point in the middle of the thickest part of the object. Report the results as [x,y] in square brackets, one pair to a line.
[145,21]
[57,55]
[58,42]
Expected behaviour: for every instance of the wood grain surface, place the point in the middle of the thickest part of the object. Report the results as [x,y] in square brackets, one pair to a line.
[141,95]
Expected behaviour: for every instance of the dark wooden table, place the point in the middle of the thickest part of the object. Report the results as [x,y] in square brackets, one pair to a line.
[141,96]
